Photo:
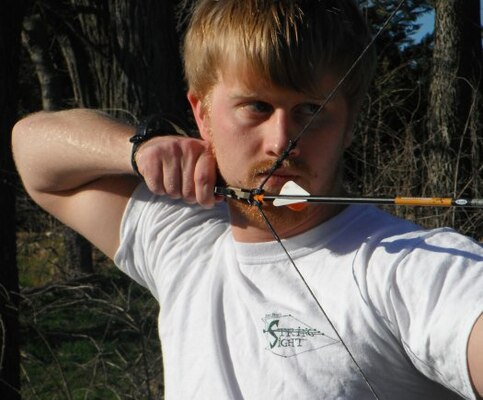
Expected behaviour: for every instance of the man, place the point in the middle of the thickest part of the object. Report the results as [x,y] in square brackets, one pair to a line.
[361,305]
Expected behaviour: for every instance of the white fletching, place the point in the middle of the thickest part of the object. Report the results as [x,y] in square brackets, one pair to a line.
[292,189]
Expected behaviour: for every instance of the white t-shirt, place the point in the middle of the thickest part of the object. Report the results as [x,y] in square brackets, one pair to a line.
[237,322]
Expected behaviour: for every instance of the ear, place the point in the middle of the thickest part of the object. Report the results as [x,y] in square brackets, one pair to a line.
[201,115]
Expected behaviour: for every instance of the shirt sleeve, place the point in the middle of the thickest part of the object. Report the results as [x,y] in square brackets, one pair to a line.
[159,235]
[431,294]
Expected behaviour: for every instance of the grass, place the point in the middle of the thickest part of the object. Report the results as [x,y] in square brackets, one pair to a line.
[85,337]
[38,254]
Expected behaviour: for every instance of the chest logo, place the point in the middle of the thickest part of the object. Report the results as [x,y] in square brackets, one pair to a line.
[287,336]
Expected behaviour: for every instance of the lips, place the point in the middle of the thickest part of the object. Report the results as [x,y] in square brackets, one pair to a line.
[290,170]
[282,171]
[277,180]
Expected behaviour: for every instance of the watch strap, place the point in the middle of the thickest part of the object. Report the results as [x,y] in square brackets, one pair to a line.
[149,127]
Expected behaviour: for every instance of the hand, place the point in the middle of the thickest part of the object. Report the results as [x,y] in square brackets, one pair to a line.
[179,167]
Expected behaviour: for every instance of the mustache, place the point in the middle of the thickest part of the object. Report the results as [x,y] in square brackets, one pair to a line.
[295,166]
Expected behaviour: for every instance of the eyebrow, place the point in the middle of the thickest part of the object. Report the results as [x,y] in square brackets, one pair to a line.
[240,94]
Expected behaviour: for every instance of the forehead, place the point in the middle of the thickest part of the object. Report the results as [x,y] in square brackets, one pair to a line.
[246,80]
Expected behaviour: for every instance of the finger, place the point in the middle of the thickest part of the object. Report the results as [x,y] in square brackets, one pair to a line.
[151,170]
[205,178]
[155,181]
[172,172]
[190,158]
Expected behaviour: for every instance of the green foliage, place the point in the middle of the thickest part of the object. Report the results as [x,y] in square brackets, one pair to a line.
[37,257]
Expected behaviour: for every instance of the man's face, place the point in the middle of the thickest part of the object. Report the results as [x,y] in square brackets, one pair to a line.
[249,124]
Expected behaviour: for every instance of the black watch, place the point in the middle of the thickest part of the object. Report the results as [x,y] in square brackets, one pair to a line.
[152,126]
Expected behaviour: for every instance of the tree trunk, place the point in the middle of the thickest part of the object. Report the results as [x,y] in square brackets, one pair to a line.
[36,41]
[10,25]
[35,38]
[134,56]
[454,117]
[78,252]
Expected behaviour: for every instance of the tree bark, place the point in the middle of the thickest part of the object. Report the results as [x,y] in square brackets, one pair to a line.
[35,38]
[10,26]
[133,56]
[454,116]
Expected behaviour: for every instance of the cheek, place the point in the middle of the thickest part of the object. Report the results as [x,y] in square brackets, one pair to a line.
[323,155]
[228,151]
[233,142]
[322,150]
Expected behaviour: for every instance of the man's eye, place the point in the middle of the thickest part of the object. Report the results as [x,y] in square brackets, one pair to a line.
[308,109]
[259,107]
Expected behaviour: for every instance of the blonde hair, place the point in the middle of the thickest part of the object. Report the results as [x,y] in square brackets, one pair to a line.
[289,43]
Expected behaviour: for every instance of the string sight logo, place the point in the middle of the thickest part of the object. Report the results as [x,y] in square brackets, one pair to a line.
[287,336]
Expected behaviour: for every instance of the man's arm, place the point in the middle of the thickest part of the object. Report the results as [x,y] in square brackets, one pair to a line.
[76,165]
[475,356]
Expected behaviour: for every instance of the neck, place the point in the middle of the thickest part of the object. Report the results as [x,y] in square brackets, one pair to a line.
[250,227]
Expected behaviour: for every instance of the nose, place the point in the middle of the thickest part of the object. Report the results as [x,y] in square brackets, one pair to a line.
[280,130]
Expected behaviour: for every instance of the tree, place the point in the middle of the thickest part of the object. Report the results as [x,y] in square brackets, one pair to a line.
[36,40]
[454,114]
[110,55]
[400,145]
[385,156]
[10,24]
[132,56]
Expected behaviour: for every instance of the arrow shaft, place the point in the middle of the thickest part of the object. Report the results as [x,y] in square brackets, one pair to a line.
[400,201]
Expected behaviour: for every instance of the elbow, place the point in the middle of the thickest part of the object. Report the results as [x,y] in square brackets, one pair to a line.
[22,133]
[20,143]
[24,142]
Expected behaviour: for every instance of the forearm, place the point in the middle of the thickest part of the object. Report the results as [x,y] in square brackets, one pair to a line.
[65,150]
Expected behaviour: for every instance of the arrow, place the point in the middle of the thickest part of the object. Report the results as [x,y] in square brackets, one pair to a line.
[292,194]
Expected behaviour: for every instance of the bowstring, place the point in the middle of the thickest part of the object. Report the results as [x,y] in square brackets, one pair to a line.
[293,143]
[314,297]
[278,163]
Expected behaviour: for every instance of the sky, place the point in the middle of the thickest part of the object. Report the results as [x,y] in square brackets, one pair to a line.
[427,22]
[427,26]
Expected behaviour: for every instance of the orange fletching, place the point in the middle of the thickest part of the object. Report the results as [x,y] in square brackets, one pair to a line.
[297,206]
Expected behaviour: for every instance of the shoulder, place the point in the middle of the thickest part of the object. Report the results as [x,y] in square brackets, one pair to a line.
[161,234]
[147,207]
[403,269]
[151,219]
[385,235]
